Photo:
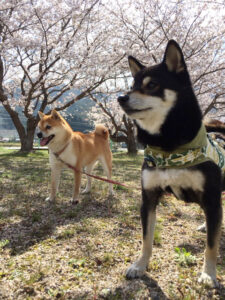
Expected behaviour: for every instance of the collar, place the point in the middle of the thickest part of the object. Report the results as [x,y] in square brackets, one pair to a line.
[199,141]
[61,151]
[186,155]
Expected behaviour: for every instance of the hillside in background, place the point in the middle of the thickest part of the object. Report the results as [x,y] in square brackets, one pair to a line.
[76,115]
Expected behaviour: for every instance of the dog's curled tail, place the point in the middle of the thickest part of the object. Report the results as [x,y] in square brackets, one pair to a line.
[102,130]
[215,126]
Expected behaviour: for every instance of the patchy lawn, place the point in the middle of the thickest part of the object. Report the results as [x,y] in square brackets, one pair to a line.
[60,251]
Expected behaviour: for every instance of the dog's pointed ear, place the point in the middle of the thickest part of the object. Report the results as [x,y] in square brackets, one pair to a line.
[174,58]
[41,115]
[135,65]
[55,114]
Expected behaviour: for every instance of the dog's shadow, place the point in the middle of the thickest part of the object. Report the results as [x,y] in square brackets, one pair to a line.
[142,288]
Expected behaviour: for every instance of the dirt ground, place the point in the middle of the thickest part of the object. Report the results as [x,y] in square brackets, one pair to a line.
[60,251]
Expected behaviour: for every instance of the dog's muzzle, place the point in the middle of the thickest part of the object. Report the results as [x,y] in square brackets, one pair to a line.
[123,100]
[39,135]
[124,103]
[44,140]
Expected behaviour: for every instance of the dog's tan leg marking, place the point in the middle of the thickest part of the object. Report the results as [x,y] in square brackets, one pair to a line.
[138,268]
[77,182]
[106,161]
[55,179]
[208,276]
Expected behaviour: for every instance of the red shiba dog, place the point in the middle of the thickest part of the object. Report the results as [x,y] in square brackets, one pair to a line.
[76,149]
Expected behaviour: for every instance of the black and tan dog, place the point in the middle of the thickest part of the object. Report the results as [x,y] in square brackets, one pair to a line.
[169,124]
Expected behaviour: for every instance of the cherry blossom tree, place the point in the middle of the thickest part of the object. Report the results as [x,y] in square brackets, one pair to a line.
[52,54]
[50,49]
[121,128]
[143,29]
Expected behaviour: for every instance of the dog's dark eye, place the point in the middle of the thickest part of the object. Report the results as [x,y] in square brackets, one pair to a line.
[48,127]
[151,85]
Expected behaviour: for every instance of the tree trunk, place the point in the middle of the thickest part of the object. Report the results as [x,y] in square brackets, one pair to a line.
[131,146]
[27,141]
[26,135]
[130,142]
[131,139]
[27,138]
[128,137]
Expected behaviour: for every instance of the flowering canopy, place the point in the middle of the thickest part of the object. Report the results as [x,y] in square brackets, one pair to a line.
[53,53]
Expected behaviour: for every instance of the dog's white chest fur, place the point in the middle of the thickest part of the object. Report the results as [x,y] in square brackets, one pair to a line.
[175,178]
[68,156]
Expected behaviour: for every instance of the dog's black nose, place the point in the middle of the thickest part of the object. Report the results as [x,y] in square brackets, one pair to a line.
[123,99]
[39,135]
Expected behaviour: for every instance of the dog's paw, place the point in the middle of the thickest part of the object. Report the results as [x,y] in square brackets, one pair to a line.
[85,191]
[202,227]
[74,201]
[135,270]
[208,280]
[49,199]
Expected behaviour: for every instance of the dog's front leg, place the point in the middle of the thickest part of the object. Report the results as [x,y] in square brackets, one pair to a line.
[148,218]
[76,189]
[213,213]
[55,179]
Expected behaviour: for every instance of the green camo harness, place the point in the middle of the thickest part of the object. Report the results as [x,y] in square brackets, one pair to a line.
[201,149]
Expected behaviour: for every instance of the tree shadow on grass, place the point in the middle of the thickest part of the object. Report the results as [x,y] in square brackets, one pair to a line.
[25,217]
[41,219]
[14,154]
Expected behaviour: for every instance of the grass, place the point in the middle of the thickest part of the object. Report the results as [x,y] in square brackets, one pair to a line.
[3,243]
[184,258]
[60,251]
